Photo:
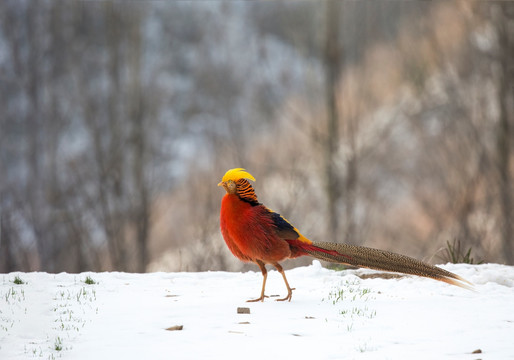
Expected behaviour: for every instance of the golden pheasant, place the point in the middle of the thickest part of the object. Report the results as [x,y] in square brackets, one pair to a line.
[254,233]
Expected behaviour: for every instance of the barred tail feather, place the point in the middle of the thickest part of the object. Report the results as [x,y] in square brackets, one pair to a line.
[361,256]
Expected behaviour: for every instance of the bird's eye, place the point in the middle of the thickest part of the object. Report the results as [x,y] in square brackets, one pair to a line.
[231,185]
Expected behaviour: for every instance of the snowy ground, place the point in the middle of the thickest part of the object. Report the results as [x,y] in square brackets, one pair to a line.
[333,315]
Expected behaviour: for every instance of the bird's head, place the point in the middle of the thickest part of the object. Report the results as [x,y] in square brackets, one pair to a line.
[235,179]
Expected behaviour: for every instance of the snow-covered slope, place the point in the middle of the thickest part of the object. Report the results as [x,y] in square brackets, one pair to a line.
[333,315]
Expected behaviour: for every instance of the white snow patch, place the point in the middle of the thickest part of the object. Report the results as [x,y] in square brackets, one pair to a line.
[332,315]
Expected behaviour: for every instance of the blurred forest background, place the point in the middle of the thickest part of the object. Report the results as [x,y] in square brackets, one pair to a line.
[380,123]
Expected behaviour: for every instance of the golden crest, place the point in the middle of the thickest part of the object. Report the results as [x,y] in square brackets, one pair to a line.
[236,174]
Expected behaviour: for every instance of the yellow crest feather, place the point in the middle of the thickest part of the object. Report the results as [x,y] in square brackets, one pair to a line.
[236,174]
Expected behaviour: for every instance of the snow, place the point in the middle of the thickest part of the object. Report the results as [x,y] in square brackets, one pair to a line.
[332,315]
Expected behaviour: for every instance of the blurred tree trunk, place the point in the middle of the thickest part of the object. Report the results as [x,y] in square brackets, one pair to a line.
[505,25]
[112,163]
[139,147]
[6,255]
[332,62]
[351,182]
[35,127]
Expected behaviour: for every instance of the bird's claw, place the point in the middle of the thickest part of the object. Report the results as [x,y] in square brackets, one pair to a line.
[288,297]
[258,299]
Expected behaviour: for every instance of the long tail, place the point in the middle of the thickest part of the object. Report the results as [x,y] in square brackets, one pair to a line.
[361,256]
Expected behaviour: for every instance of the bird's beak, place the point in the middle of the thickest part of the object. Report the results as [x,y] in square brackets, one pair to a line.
[221,183]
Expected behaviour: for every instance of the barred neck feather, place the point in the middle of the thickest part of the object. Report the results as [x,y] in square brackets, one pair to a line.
[246,192]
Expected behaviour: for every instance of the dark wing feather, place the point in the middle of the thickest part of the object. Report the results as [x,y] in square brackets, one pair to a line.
[284,229]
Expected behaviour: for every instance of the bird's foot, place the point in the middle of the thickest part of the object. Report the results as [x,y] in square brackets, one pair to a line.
[258,299]
[289,295]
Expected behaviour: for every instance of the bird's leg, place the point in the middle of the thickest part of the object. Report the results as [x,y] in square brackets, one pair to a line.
[289,290]
[264,277]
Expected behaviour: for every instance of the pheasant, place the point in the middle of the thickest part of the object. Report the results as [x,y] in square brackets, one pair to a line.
[254,233]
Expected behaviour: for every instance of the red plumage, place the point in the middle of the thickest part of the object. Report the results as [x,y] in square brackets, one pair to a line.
[250,232]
